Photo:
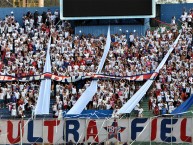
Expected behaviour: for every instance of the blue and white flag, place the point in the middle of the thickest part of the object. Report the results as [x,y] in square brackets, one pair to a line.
[130,105]
[43,102]
[92,89]
[84,99]
[105,53]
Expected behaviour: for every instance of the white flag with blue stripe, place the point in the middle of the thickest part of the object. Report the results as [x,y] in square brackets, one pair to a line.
[43,102]
[92,89]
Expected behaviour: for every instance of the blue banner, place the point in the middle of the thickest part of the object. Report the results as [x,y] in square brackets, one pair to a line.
[184,106]
[92,114]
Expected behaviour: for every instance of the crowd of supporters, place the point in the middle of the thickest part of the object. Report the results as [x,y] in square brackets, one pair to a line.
[23,52]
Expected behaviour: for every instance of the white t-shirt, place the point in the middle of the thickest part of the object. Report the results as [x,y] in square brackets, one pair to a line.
[10,29]
[13,112]
[108,106]
[171,108]
[183,18]
[189,18]
[1,96]
[73,90]
[160,105]
[131,37]
[159,98]
[17,95]
[8,95]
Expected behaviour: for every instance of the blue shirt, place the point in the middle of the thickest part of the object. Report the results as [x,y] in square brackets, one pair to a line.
[164,111]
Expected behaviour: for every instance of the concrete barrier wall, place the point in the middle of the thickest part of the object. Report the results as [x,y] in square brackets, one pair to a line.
[19,12]
[170,10]
[167,11]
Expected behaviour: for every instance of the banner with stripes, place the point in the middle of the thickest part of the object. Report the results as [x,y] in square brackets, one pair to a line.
[67,79]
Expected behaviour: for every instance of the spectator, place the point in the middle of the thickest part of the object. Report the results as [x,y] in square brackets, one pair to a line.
[13,111]
[115,115]
[156,111]
[171,107]
[73,55]
[20,112]
[140,114]
[164,110]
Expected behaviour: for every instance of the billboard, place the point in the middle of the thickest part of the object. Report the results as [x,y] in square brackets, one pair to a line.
[177,130]
[106,9]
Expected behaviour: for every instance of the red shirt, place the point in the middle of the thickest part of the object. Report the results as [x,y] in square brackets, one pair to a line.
[1,65]
[82,62]
[31,73]
[34,64]
[183,96]
[30,46]
[23,74]
[156,110]
[43,27]
[47,30]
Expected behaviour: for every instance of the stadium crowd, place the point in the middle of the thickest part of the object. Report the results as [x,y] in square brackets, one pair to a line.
[23,53]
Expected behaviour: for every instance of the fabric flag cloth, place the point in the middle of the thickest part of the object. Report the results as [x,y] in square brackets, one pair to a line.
[92,114]
[130,105]
[68,79]
[184,106]
[43,102]
[84,99]
[92,89]
[106,51]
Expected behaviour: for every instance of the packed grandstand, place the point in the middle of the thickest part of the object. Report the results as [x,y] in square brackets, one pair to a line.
[23,54]
[23,51]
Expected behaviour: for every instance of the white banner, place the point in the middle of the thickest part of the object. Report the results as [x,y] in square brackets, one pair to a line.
[130,105]
[43,102]
[105,53]
[84,99]
[176,130]
[92,89]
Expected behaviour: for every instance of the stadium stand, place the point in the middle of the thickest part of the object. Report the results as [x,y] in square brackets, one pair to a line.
[23,54]
[23,50]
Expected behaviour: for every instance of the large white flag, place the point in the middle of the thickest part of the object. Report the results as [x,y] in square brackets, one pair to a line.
[105,53]
[130,105]
[92,89]
[43,102]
